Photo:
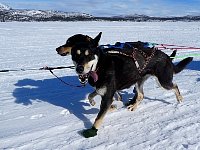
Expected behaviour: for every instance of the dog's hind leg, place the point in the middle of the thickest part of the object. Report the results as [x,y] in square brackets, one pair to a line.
[133,104]
[139,95]
[169,85]
[177,93]
[164,73]
[117,97]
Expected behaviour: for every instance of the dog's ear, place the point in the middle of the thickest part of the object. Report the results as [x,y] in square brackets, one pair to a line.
[95,41]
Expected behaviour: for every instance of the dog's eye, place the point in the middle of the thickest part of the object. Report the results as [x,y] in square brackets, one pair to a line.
[78,52]
[87,53]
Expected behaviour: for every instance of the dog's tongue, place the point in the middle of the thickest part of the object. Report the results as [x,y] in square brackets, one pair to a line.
[94,75]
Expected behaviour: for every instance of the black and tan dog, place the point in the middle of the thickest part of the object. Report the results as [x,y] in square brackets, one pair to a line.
[117,72]
[65,50]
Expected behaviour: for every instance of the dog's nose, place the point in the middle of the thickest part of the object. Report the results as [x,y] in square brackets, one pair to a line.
[58,49]
[80,69]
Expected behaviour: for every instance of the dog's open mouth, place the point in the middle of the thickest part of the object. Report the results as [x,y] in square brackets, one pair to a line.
[83,78]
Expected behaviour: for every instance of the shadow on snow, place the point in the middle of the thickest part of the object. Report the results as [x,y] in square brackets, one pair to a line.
[56,93]
[128,96]
[194,65]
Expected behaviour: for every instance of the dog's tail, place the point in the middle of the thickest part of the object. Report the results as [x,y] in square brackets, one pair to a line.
[182,64]
[173,54]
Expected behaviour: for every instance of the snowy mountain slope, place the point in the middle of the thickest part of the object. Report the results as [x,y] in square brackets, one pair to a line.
[4,7]
[48,13]
[8,14]
[38,112]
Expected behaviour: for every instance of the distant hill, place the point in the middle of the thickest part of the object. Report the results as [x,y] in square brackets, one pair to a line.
[4,7]
[8,14]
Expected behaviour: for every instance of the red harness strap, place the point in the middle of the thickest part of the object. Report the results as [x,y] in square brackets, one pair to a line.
[133,55]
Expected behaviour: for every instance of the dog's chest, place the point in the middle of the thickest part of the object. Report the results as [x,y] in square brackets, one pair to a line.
[122,72]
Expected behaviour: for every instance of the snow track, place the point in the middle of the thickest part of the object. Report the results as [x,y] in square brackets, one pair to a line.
[38,112]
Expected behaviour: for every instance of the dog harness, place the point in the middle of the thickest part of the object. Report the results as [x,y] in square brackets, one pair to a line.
[120,48]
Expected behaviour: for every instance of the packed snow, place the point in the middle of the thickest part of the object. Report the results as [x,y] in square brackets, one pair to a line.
[39,112]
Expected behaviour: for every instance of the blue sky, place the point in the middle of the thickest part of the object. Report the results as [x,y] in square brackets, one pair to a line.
[113,7]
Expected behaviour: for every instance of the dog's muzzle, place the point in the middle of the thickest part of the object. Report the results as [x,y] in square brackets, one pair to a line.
[79,69]
[83,78]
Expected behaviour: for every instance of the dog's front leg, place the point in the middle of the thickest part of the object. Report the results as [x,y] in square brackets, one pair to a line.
[91,97]
[106,102]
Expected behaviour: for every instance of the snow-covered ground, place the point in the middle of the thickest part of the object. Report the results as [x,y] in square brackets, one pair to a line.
[39,112]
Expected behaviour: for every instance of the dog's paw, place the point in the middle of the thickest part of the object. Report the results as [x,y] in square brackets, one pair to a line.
[90,132]
[132,107]
[179,98]
[112,108]
[117,97]
[92,102]
[140,97]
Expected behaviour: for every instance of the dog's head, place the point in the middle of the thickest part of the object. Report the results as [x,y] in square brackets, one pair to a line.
[72,41]
[85,58]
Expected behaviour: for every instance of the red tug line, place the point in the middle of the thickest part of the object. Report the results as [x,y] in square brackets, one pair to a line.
[175,47]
